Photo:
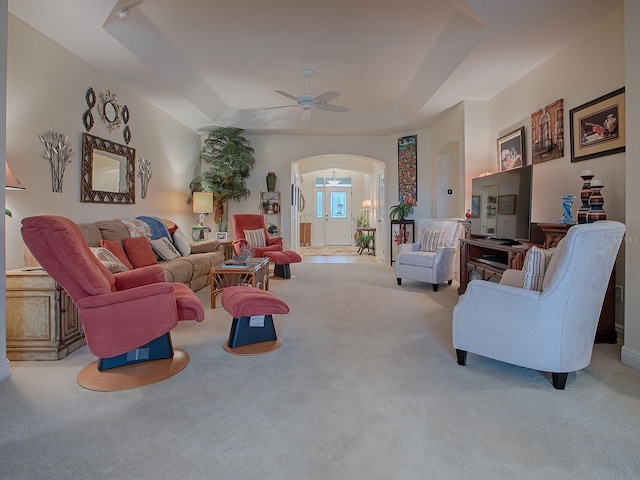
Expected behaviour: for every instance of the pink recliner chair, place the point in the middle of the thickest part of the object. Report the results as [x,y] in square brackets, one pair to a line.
[126,317]
[242,222]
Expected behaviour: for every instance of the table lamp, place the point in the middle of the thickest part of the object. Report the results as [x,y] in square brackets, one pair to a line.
[202,203]
[367,207]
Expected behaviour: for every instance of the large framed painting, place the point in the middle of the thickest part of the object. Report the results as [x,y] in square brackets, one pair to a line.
[547,133]
[511,150]
[408,170]
[598,128]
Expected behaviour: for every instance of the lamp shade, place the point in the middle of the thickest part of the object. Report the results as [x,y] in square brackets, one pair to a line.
[202,202]
[366,204]
[11,182]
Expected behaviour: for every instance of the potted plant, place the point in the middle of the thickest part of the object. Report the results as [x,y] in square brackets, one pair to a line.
[231,158]
[401,212]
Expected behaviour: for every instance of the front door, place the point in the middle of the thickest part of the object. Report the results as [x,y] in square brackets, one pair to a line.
[332,219]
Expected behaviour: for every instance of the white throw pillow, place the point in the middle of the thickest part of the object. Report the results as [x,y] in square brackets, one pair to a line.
[181,242]
[164,249]
[535,264]
[255,238]
[432,240]
[109,260]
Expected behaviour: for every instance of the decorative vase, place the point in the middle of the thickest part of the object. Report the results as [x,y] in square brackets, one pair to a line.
[271,181]
[596,202]
[585,193]
[567,216]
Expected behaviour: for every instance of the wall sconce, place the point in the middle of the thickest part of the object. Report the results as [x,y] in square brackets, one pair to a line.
[202,204]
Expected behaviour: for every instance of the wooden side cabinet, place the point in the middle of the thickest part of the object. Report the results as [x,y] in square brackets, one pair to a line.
[42,321]
[305,234]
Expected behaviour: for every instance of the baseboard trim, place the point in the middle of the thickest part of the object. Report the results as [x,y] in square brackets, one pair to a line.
[4,369]
[630,357]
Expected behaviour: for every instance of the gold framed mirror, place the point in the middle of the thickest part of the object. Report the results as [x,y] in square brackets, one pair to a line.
[108,171]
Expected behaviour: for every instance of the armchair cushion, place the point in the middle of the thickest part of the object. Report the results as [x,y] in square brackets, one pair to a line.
[139,251]
[255,238]
[432,239]
[535,264]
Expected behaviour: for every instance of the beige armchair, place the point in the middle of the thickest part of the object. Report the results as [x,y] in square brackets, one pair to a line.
[432,258]
[550,330]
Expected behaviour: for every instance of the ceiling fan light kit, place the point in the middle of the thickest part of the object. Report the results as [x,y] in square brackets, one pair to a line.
[309,101]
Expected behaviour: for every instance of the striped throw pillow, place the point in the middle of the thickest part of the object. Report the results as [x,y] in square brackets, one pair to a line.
[432,240]
[255,238]
[536,262]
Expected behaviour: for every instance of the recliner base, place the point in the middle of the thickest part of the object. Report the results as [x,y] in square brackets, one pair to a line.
[156,349]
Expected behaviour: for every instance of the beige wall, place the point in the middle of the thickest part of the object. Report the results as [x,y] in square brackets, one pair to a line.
[46,91]
[4,363]
[631,348]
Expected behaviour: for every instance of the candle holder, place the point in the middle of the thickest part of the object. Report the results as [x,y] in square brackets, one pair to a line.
[585,193]
[596,202]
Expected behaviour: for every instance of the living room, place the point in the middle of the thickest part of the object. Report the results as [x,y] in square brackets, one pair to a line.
[46,86]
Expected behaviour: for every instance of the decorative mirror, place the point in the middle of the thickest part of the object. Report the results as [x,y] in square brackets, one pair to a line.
[109,110]
[108,171]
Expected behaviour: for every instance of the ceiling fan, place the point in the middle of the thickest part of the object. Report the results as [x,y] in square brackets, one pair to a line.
[308,101]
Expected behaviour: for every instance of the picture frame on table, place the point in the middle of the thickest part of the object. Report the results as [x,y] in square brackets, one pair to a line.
[511,153]
[598,127]
[222,236]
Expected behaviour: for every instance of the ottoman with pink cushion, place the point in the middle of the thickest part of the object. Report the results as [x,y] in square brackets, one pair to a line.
[282,261]
[252,310]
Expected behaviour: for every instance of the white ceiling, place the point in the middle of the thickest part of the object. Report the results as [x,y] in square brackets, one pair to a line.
[396,64]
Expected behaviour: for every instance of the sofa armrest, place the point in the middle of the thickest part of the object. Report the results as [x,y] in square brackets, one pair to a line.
[206,246]
[139,277]
[274,241]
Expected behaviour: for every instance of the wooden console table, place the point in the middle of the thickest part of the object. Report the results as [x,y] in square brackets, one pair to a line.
[42,320]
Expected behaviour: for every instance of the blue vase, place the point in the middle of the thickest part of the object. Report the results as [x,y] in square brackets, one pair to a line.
[567,216]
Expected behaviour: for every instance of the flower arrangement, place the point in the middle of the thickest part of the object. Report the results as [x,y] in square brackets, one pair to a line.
[402,236]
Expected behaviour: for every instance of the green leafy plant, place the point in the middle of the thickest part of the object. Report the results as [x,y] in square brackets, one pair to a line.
[7,212]
[231,158]
[364,240]
[400,211]
[361,221]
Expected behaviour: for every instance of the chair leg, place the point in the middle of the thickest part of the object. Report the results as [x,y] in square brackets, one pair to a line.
[435,287]
[399,280]
[156,349]
[283,271]
[450,281]
[559,380]
[462,357]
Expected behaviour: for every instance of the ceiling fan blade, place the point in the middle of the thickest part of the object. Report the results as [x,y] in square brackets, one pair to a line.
[281,106]
[288,95]
[326,97]
[306,114]
[333,108]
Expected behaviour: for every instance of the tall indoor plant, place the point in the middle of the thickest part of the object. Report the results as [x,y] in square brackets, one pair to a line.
[230,157]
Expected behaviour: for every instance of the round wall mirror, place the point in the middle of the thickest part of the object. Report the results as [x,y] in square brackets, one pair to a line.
[110,111]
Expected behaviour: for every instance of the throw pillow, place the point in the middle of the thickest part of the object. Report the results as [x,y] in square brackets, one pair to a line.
[139,251]
[115,248]
[164,249]
[536,262]
[432,240]
[181,242]
[255,238]
[109,260]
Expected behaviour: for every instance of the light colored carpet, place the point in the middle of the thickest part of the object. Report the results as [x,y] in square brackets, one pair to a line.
[365,386]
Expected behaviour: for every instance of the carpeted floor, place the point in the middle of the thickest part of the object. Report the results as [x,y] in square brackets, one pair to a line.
[365,386]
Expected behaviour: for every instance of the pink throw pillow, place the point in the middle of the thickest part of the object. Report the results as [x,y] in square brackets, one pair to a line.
[115,248]
[139,251]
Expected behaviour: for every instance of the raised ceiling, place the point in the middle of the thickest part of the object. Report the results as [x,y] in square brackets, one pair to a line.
[397,65]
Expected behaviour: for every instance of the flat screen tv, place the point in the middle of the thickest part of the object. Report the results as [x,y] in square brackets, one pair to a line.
[501,205]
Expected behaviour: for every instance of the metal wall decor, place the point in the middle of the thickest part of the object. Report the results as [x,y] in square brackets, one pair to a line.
[57,151]
[96,151]
[145,173]
[109,110]
[87,117]
[126,134]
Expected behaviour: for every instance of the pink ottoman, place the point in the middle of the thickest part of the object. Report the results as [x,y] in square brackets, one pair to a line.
[252,310]
[282,261]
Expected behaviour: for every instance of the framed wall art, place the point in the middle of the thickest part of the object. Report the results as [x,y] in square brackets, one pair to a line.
[547,133]
[511,150]
[598,128]
[408,170]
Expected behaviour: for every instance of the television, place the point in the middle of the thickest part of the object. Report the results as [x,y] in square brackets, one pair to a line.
[501,205]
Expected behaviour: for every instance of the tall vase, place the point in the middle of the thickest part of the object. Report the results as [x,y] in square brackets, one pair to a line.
[271,181]
[585,193]
[596,202]
[567,216]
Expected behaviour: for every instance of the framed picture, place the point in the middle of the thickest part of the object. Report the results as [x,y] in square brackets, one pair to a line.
[511,150]
[547,133]
[598,128]
[221,236]
[475,206]
[507,204]
[408,170]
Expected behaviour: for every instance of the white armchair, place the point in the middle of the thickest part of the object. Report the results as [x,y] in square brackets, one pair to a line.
[552,330]
[415,263]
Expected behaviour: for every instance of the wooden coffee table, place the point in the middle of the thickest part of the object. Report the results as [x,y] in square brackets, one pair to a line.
[254,272]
